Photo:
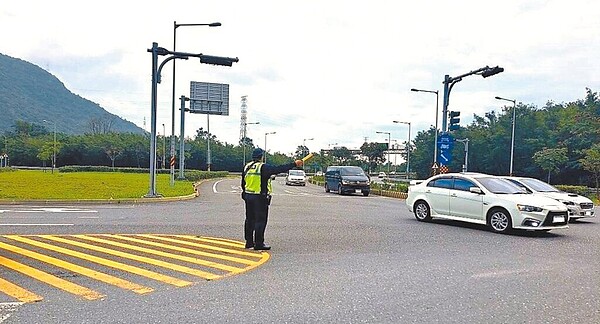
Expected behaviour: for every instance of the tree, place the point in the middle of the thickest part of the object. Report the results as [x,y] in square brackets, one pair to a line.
[341,155]
[100,125]
[591,162]
[374,153]
[550,159]
[46,153]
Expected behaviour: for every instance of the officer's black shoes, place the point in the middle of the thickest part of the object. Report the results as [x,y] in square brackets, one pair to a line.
[262,247]
[249,245]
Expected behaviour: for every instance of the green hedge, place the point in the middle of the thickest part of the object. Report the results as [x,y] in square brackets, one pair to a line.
[580,190]
[191,175]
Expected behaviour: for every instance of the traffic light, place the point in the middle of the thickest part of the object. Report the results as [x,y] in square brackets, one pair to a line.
[492,71]
[217,60]
[454,120]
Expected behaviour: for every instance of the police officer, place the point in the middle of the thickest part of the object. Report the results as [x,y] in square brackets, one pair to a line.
[256,192]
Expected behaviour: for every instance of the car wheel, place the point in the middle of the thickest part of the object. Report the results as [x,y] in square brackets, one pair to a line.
[422,211]
[340,192]
[365,193]
[326,188]
[499,220]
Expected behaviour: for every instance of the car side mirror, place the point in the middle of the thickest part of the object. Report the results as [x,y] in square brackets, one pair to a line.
[476,190]
[273,177]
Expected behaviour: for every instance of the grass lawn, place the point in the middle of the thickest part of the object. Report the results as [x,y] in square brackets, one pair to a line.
[37,184]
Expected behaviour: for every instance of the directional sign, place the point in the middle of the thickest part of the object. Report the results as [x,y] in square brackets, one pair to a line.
[445,144]
[445,157]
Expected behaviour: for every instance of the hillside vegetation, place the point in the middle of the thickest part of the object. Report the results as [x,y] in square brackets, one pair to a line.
[31,94]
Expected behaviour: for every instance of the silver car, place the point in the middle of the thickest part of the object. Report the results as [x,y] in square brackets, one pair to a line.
[295,177]
[579,206]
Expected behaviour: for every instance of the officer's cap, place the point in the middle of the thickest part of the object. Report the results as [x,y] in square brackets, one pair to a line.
[257,153]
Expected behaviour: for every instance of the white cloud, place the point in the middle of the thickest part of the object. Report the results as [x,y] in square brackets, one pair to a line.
[337,71]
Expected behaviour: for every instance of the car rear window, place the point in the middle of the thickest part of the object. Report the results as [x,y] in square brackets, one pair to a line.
[441,183]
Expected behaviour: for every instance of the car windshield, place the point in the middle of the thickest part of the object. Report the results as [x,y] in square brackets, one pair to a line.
[500,186]
[297,172]
[538,185]
[352,171]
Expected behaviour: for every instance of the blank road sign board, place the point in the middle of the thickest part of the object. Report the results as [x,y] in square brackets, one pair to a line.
[209,98]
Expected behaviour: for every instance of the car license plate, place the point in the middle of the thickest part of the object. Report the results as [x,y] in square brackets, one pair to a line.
[558,219]
[588,213]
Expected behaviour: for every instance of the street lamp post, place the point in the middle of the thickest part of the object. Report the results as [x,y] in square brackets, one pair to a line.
[466,142]
[156,68]
[265,155]
[175,26]
[244,140]
[182,99]
[53,147]
[407,147]
[164,147]
[389,144]
[436,121]
[512,137]
[304,144]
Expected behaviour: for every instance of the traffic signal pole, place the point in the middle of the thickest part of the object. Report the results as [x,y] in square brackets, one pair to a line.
[449,82]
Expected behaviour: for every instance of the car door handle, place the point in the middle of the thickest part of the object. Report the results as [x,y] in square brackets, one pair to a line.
[453,195]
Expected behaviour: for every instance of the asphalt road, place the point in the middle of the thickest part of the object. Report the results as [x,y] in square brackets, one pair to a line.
[335,259]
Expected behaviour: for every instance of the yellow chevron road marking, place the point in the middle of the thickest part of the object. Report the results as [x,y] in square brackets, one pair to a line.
[50,279]
[164,254]
[79,269]
[109,263]
[17,292]
[182,249]
[160,263]
[216,248]
[214,258]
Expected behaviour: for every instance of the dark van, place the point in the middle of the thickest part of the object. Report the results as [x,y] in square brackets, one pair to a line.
[347,179]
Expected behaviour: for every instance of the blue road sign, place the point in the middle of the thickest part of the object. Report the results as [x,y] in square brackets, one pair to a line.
[444,157]
[445,144]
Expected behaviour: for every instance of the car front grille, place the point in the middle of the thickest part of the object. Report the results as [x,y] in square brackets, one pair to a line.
[550,218]
[586,205]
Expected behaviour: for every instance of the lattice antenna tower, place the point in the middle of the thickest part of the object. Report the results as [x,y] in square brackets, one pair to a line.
[243,118]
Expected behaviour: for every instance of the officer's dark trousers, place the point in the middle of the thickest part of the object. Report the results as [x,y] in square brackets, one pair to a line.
[257,211]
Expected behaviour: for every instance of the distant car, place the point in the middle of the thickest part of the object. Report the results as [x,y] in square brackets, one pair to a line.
[381,175]
[347,179]
[484,199]
[319,173]
[578,206]
[295,177]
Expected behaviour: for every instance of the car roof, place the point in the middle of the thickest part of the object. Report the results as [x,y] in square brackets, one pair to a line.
[468,174]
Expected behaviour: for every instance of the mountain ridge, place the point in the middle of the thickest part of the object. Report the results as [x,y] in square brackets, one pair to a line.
[31,94]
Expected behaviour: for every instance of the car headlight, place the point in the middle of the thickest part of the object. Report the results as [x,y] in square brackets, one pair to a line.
[344,182]
[528,208]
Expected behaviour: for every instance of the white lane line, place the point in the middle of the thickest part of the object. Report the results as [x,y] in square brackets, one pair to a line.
[37,224]
[215,186]
[55,210]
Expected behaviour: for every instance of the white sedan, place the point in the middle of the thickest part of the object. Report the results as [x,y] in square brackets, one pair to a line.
[579,206]
[484,199]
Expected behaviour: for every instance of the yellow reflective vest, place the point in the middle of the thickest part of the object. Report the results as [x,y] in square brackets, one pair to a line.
[253,177]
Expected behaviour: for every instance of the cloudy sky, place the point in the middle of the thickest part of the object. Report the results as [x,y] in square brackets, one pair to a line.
[335,71]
